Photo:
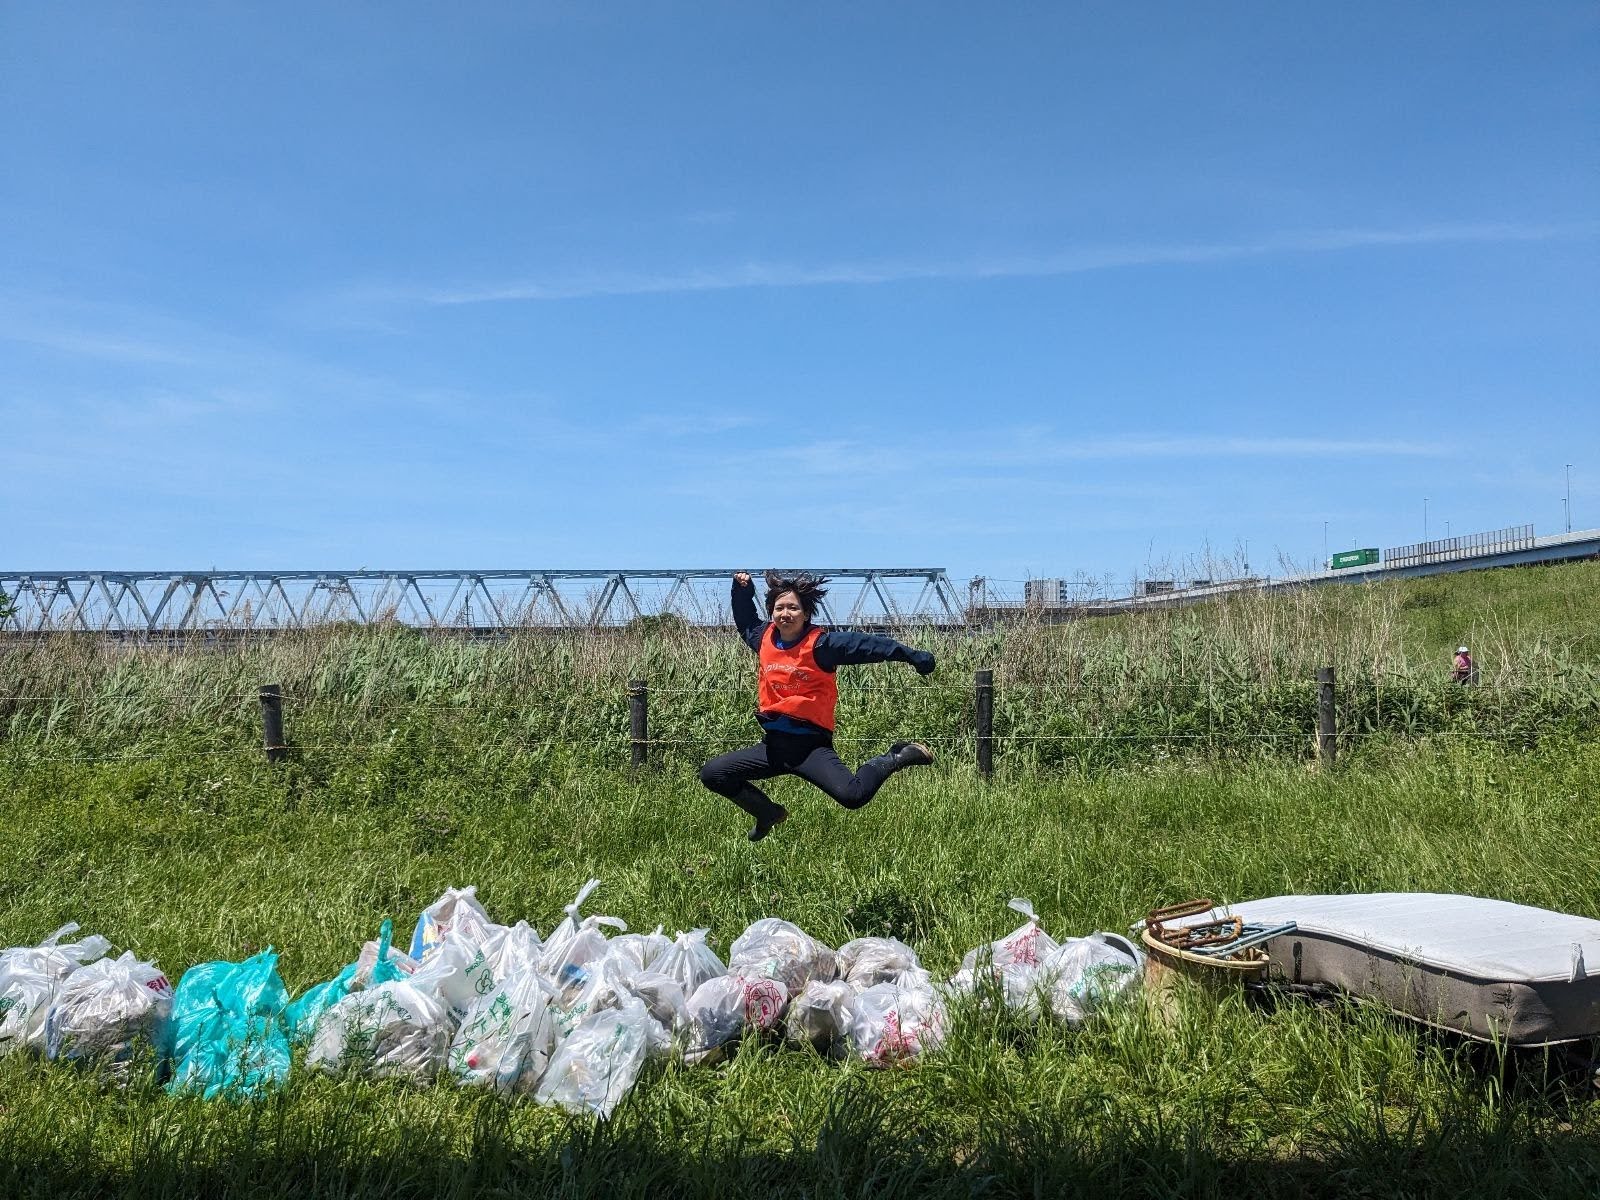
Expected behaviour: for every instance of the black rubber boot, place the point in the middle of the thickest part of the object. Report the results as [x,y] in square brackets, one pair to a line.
[910,754]
[764,827]
[768,814]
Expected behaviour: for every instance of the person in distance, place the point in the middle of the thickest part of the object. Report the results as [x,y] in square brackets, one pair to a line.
[795,701]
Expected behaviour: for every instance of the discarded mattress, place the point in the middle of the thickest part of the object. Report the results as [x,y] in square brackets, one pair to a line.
[1486,968]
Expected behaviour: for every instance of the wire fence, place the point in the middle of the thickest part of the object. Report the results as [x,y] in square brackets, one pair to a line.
[1071,689]
[729,744]
[1318,721]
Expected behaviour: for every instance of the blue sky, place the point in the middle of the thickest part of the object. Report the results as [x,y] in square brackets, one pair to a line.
[1017,290]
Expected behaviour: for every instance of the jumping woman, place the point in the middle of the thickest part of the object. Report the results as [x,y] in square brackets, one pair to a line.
[796,695]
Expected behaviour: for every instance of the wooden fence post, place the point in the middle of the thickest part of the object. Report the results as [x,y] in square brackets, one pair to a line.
[272,721]
[984,687]
[1327,732]
[639,721]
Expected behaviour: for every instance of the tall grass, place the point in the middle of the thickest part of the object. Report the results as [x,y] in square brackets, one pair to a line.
[1232,679]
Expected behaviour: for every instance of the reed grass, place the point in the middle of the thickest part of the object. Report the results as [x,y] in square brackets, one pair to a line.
[1232,678]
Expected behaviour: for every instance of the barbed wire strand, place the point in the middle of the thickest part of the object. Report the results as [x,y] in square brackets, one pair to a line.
[1087,685]
[1153,739]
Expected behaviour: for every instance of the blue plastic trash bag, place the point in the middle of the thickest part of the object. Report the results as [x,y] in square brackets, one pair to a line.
[237,1058]
[301,1017]
[388,965]
[227,1028]
[379,962]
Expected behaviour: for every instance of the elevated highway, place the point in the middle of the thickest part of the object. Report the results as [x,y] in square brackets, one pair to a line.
[1443,557]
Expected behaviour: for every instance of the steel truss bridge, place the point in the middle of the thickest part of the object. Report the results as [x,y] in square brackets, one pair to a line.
[159,603]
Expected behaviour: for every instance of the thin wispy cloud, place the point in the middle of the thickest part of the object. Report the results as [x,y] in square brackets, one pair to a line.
[1021,449]
[1020,473]
[81,343]
[690,424]
[169,366]
[1055,449]
[1069,262]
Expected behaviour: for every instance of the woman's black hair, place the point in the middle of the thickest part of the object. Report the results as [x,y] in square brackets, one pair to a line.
[807,590]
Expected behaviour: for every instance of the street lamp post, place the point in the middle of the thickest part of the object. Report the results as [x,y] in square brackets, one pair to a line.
[1566,502]
[1425,518]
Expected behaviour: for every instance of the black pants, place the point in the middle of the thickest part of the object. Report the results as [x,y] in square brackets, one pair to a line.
[809,756]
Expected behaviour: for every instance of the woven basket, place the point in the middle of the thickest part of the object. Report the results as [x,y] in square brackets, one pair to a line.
[1170,968]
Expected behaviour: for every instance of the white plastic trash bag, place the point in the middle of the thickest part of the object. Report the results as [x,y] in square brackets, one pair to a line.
[54,957]
[775,949]
[598,985]
[457,908]
[1086,975]
[506,1038]
[872,960]
[1020,986]
[25,997]
[29,979]
[573,969]
[690,961]
[574,943]
[106,1011]
[606,982]
[821,1015]
[643,950]
[918,979]
[663,997]
[892,1026]
[390,1031]
[721,1009]
[599,1062]
[457,974]
[1025,946]
[514,950]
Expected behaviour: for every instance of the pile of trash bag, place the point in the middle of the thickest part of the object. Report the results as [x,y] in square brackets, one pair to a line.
[31,977]
[569,1020]
[1035,974]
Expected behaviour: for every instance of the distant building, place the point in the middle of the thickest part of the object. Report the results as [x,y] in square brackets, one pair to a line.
[1044,593]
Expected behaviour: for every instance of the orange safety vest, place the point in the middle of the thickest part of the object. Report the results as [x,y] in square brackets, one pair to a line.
[792,684]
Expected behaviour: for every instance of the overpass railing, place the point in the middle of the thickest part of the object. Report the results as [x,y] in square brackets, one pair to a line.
[1468,545]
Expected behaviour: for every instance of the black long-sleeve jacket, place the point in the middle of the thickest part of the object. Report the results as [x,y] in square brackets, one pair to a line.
[833,649]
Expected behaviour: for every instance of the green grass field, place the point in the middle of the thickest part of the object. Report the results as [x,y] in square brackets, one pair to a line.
[138,804]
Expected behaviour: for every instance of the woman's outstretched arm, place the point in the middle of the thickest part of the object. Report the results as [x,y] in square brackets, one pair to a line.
[745,617]
[843,648]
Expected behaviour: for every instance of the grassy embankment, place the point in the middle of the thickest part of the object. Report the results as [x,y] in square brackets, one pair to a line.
[425,764]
